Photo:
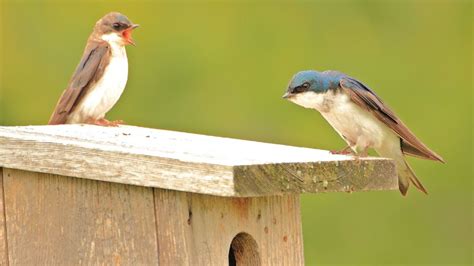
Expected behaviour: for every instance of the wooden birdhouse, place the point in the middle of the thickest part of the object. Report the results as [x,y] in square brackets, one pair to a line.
[79,194]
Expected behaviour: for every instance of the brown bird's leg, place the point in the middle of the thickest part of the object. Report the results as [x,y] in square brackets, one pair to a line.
[347,150]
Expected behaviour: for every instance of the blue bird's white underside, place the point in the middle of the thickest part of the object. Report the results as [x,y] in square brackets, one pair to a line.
[358,127]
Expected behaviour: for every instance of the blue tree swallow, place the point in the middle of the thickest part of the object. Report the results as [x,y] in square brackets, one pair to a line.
[361,118]
[101,75]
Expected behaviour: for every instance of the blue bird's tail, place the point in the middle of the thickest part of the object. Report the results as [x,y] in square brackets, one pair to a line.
[407,176]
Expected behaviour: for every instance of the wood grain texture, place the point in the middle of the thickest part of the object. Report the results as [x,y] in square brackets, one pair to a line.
[57,220]
[202,227]
[3,229]
[188,162]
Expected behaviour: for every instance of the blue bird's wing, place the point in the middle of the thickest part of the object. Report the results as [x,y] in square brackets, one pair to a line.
[368,100]
[96,56]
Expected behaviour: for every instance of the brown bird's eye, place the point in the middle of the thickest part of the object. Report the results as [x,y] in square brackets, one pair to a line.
[116,26]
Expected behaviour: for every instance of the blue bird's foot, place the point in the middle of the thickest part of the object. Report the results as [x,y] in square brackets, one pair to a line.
[363,154]
[346,151]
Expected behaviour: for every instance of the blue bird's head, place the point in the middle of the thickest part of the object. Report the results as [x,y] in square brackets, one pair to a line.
[312,81]
[308,88]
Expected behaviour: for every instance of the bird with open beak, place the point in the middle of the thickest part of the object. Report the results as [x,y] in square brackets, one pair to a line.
[100,77]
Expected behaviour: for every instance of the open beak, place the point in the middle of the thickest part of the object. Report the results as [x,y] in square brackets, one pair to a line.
[127,34]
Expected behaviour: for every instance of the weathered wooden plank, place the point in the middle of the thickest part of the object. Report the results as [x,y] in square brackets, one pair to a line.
[188,162]
[3,229]
[202,228]
[57,220]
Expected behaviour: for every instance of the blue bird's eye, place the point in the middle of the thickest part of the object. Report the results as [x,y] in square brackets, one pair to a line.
[302,88]
[116,26]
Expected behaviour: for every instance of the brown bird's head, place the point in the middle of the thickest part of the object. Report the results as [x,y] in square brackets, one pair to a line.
[115,28]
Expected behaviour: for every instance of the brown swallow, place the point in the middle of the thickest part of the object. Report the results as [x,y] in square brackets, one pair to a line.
[100,77]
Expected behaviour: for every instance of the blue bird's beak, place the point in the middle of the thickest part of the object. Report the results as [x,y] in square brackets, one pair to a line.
[287,95]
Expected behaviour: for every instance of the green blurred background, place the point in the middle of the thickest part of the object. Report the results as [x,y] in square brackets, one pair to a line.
[220,68]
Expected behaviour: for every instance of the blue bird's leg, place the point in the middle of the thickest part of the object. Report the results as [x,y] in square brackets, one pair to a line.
[364,153]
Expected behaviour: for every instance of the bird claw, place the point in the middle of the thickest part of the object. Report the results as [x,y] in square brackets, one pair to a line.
[345,151]
[358,157]
[117,123]
[364,153]
[341,152]
[106,123]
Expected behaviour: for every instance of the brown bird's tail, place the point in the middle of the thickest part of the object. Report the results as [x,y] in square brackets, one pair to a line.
[57,119]
[407,176]
[59,116]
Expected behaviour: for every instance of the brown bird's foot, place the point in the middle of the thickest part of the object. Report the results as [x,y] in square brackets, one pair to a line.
[106,123]
[117,123]
[346,151]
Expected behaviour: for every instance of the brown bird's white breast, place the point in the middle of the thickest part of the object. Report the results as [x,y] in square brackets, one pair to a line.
[107,90]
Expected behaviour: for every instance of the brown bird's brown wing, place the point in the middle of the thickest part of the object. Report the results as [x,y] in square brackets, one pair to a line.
[367,99]
[90,68]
